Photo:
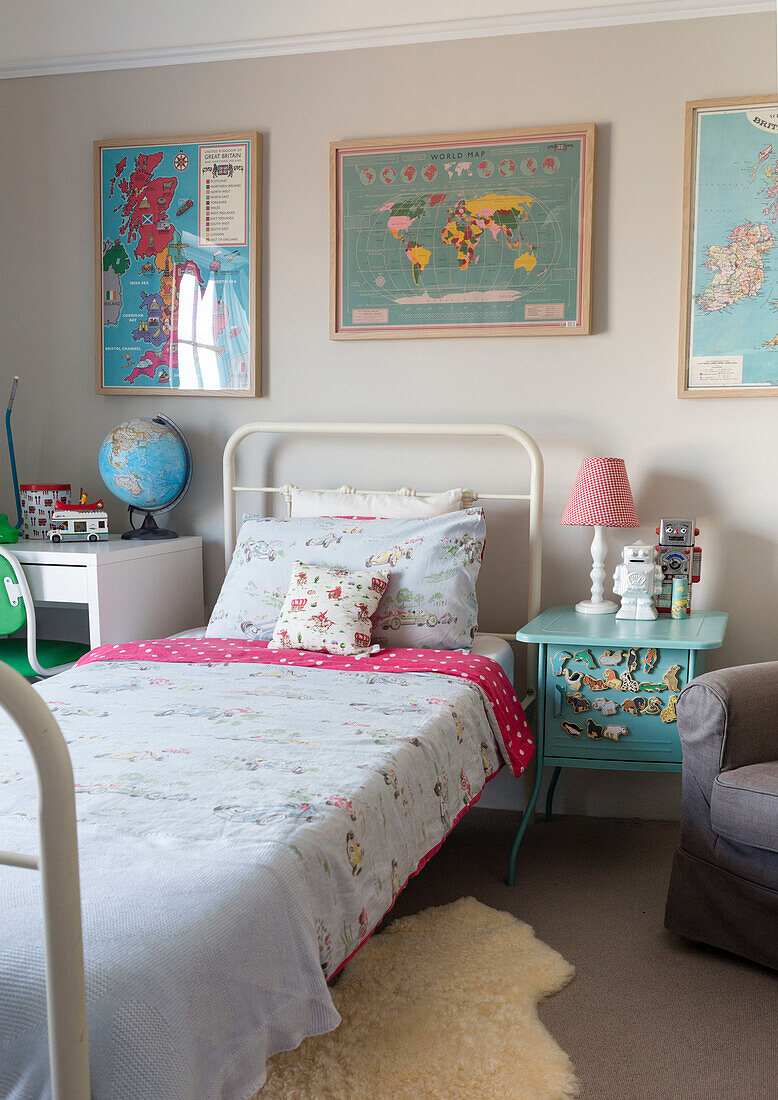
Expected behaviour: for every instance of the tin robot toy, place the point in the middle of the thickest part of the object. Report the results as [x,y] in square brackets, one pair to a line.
[679,558]
[637,580]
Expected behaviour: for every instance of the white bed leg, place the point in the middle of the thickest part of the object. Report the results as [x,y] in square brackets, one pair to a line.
[58,864]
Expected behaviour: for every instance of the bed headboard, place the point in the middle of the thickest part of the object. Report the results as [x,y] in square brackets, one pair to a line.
[534,494]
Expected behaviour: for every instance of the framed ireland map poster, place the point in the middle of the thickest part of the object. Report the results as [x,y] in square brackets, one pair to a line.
[177,231]
[483,234]
[729,282]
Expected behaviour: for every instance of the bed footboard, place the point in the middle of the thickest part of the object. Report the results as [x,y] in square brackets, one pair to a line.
[58,865]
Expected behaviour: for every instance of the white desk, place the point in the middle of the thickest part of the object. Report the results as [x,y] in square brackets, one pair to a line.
[132,589]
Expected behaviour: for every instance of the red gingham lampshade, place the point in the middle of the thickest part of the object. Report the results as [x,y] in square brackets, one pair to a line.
[601,496]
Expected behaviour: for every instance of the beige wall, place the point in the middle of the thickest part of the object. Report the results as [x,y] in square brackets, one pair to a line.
[610,393]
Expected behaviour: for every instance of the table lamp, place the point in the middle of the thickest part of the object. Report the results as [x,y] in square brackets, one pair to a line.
[601,497]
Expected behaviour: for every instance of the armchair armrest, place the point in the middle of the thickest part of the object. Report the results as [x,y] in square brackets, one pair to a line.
[729,719]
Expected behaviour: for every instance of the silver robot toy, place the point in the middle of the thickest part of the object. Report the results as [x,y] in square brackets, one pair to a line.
[679,557]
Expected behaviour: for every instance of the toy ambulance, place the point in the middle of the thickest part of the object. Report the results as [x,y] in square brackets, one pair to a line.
[80,522]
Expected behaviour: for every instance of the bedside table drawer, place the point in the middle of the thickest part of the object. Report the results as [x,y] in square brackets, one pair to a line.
[607,704]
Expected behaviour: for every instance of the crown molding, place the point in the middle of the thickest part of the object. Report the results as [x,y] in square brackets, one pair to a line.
[597,15]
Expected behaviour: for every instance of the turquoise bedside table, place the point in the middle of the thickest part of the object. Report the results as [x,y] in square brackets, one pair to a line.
[607,689]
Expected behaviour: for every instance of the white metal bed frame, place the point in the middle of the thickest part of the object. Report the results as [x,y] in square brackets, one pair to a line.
[58,865]
[58,860]
[534,496]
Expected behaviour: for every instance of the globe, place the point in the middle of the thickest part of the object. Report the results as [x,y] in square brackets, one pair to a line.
[147,464]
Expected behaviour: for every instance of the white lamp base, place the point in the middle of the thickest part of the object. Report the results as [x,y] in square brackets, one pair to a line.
[602,607]
[597,605]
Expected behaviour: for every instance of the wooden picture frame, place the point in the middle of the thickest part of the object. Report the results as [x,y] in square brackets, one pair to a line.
[728,322]
[178,226]
[418,214]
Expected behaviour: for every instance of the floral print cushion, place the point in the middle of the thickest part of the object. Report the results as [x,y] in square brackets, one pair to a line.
[430,602]
[329,610]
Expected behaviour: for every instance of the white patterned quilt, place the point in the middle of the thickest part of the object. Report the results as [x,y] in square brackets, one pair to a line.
[242,829]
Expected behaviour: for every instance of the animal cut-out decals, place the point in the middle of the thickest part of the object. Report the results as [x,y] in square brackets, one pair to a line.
[572,729]
[633,659]
[612,681]
[635,706]
[650,660]
[594,729]
[613,733]
[578,702]
[610,733]
[606,707]
[669,714]
[611,657]
[559,660]
[585,656]
[641,705]
[671,677]
[574,679]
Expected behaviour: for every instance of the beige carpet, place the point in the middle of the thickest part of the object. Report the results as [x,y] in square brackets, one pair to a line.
[440,1006]
[649,1016]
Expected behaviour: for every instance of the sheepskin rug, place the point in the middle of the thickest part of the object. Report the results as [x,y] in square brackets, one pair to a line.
[440,1006]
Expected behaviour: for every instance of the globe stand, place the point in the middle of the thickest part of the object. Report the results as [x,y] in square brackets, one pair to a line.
[148,529]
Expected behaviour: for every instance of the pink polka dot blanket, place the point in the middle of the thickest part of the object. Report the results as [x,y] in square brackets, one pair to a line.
[498,692]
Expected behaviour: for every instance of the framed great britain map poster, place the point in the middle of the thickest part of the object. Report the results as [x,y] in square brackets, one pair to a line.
[177,231]
[729,287]
[485,234]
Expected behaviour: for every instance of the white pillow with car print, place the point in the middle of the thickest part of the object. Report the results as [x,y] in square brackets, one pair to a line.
[430,602]
[329,610]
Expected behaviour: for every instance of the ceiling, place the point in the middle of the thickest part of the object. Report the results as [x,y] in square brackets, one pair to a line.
[39,37]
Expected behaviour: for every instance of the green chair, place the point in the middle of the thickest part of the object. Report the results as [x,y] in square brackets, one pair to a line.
[30,656]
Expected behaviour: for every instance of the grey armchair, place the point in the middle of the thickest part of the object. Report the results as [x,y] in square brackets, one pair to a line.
[724,883]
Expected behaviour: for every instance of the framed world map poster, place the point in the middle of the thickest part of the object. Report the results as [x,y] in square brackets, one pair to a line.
[177,231]
[484,234]
[729,287]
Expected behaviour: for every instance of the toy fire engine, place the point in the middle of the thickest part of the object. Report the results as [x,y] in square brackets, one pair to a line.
[679,557]
[80,522]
